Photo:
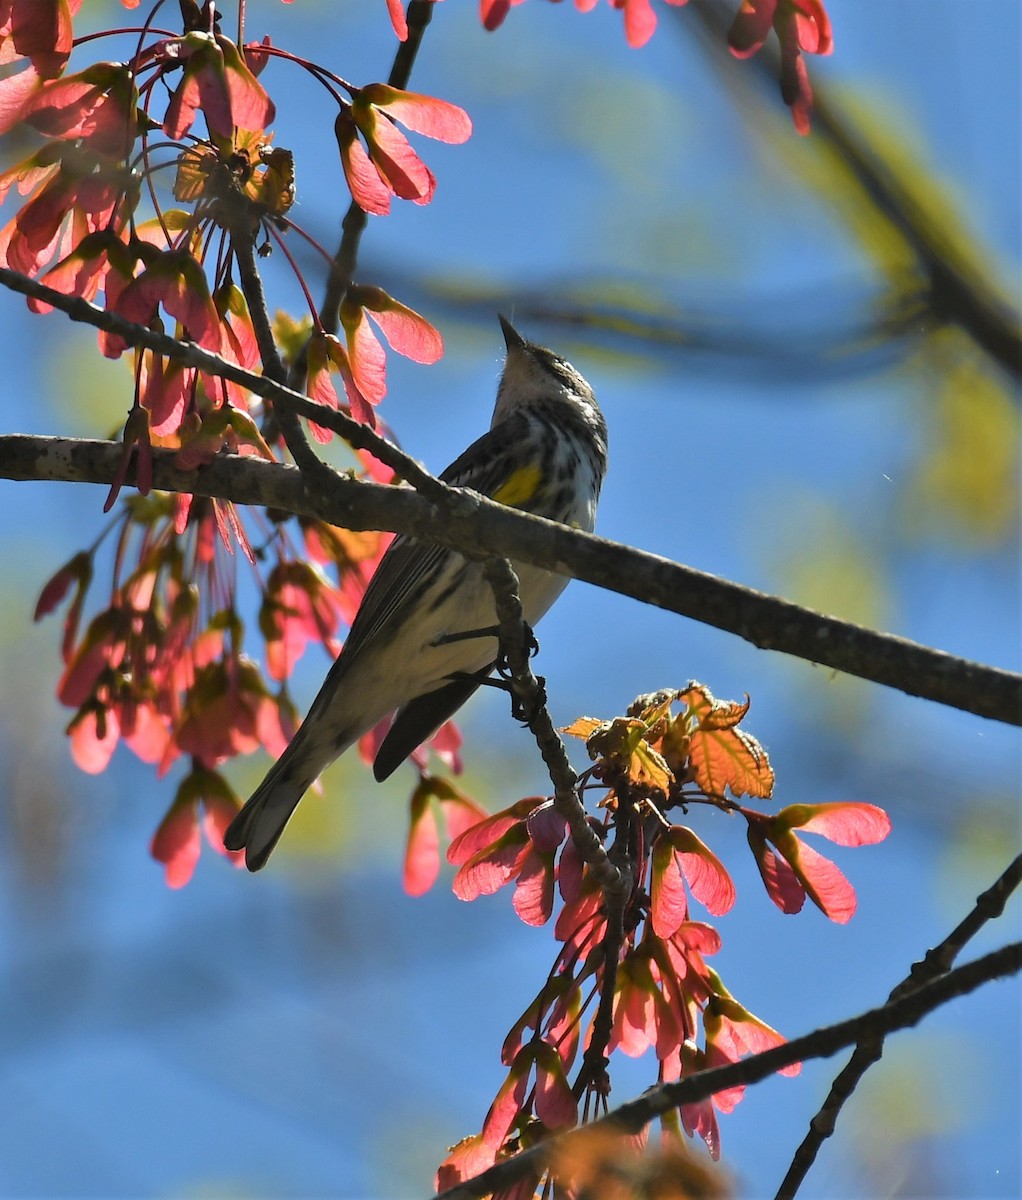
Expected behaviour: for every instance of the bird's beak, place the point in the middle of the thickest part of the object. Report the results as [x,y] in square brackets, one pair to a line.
[512,338]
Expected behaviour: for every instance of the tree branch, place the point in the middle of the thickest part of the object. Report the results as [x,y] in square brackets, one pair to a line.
[342,270]
[868,1050]
[955,290]
[530,695]
[481,528]
[355,433]
[243,245]
[478,527]
[823,1042]
[615,879]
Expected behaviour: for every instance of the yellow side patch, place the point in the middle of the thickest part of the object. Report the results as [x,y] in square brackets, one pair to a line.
[519,487]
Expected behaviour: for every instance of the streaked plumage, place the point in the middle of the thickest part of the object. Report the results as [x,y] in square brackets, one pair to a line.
[545,452]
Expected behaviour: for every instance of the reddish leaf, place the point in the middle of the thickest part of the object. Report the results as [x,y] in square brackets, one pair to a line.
[446,745]
[705,874]
[750,27]
[470,1157]
[367,188]
[698,937]
[94,735]
[556,1107]
[547,827]
[15,92]
[219,808]
[422,850]
[507,1104]
[634,1028]
[581,922]
[534,893]
[98,104]
[847,822]
[217,81]
[177,844]
[698,1118]
[460,814]
[366,356]
[77,571]
[722,756]
[39,30]
[827,886]
[136,436]
[102,646]
[80,273]
[33,235]
[146,733]
[640,22]
[813,29]
[781,882]
[493,12]
[422,114]
[396,10]
[397,163]
[488,871]
[251,108]
[668,901]
[488,831]
[732,1031]
[176,281]
[407,332]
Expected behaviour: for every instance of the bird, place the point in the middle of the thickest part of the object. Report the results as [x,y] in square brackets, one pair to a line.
[424,636]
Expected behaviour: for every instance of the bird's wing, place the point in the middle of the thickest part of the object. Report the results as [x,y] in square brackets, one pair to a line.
[418,720]
[407,561]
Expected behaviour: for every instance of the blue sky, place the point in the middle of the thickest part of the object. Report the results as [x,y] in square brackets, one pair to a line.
[312,1031]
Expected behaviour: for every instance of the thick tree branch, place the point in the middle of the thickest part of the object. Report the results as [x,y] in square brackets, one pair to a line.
[478,527]
[868,1050]
[823,1042]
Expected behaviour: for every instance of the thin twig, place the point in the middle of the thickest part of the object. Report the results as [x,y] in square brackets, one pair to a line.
[342,272]
[515,638]
[821,1043]
[355,433]
[243,244]
[937,962]
[593,1072]
[615,878]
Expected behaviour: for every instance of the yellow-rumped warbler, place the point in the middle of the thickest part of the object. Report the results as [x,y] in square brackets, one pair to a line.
[546,453]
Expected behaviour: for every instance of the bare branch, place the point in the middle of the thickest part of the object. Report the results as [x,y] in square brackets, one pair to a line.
[480,528]
[868,1050]
[821,1043]
[453,518]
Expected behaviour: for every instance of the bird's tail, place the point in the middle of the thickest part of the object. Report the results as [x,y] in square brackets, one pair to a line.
[258,826]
